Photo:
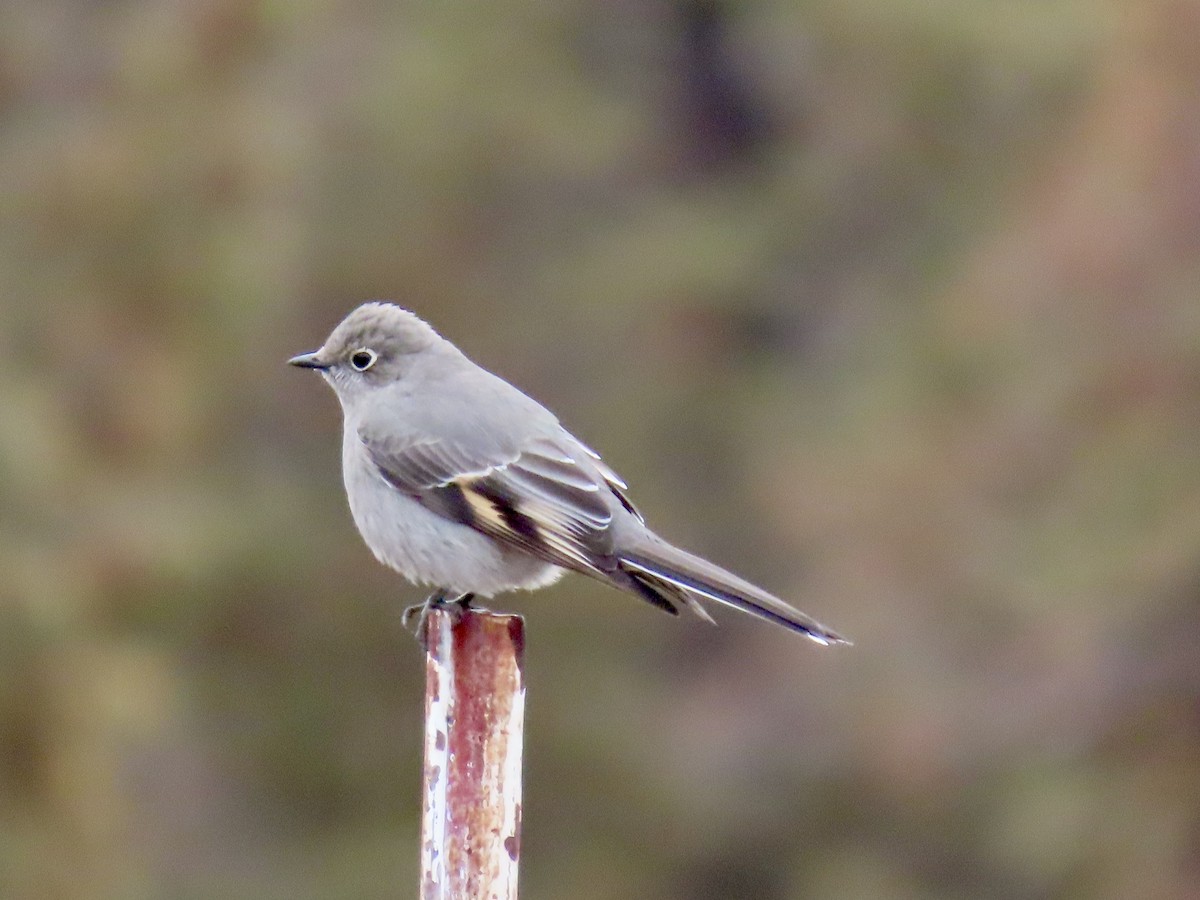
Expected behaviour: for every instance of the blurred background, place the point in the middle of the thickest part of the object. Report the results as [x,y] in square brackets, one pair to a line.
[889,305]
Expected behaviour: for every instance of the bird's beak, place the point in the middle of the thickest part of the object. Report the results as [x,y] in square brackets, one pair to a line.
[309,361]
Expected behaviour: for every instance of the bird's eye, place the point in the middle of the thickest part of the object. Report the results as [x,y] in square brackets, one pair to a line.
[363,358]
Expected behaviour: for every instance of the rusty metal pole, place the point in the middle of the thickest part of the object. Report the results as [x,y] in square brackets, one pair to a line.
[474,721]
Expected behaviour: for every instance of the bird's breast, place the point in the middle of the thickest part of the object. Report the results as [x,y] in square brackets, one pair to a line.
[425,547]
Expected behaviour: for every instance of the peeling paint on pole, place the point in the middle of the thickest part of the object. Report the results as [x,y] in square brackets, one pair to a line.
[474,723]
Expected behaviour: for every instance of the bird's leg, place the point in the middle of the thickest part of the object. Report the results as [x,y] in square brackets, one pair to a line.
[419,609]
[421,612]
[456,608]
[459,605]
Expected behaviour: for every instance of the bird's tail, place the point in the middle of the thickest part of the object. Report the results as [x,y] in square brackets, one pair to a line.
[662,561]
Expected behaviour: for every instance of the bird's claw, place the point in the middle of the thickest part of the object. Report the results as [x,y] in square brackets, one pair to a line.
[456,608]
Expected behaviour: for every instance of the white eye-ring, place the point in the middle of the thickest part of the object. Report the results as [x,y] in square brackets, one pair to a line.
[363,358]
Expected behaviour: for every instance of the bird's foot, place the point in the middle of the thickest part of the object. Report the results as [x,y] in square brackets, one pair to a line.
[456,608]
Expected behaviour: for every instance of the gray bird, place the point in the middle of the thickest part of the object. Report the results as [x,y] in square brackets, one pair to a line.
[459,481]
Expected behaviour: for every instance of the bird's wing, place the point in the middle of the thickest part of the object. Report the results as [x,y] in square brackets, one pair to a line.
[545,495]
[614,481]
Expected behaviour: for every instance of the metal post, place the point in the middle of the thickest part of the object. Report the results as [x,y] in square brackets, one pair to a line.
[474,719]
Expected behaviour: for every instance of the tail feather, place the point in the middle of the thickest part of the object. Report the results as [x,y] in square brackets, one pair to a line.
[664,562]
[666,595]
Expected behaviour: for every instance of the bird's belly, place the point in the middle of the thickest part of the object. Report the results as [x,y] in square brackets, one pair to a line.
[428,549]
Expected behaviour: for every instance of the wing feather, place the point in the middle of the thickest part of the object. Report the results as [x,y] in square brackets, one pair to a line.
[547,497]
[615,482]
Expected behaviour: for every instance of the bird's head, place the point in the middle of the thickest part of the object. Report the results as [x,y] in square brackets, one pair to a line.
[376,345]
